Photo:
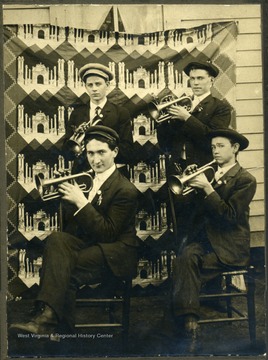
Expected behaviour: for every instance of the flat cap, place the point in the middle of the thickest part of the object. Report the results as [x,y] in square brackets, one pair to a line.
[201,64]
[103,131]
[97,70]
[230,134]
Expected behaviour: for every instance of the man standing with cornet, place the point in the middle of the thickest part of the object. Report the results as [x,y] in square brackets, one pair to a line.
[184,136]
[219,239]
[98,111]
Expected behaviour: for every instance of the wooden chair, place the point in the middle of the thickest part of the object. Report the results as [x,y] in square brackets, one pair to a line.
[108,296]
[228,293]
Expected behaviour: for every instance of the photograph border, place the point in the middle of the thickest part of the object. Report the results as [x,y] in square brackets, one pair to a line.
[3,205]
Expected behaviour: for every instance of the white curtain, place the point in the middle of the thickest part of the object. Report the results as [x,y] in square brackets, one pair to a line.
[90,17]
[141,18]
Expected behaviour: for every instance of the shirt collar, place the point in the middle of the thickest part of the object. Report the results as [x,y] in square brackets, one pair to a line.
[202,97]
[224,169]
[100,105]
[107,173]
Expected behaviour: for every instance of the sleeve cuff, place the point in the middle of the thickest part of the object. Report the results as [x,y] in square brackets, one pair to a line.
[77,211]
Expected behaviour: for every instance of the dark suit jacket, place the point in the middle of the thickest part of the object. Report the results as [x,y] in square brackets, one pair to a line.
[227,213]
[210,114]
[115,117]
[109,220]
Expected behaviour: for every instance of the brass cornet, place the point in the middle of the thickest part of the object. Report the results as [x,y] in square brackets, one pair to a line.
[48,188]
[74,145]
[178,184]
[158,110]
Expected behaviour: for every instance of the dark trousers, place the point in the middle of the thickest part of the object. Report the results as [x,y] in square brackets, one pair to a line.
[194,267]
[67,264]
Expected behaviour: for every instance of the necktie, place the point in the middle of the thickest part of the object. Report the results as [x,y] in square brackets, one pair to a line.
[97,117]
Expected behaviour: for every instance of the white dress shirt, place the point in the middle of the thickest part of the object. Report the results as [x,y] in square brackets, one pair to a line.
[97,183]
[222,170]
[92,110]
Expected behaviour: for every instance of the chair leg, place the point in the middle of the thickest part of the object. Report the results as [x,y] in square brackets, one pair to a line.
[125,314]
[250,280]
[228,299]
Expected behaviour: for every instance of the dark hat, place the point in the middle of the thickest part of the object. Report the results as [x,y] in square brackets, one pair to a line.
[201,64]
[97,70]
[232,135]
[103,131]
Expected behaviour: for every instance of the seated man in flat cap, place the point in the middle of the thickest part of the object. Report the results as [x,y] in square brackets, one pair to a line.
[106,244]
[219,239]
[184,137]
[100,111]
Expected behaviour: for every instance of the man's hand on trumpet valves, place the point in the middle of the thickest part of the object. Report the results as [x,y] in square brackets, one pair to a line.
[200,181]
[191,169]
[178,112]
[73,194]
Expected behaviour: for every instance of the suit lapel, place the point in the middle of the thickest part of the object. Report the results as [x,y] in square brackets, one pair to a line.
[104,188]
[199,107]
[227,176]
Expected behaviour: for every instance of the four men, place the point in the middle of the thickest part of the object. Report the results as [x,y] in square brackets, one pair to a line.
[104,235]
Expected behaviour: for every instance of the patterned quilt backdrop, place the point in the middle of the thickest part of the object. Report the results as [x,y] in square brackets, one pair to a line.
[41,64]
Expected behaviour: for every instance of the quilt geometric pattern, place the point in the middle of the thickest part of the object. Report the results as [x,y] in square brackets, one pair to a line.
[41,65]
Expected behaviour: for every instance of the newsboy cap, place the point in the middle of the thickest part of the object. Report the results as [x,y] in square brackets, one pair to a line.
[232,135]
[102,131]
[97,70]
[201,64]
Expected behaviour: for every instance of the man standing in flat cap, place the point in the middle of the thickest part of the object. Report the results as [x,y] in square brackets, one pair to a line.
[184,136]
[219,239]
[104,244]
[100,111]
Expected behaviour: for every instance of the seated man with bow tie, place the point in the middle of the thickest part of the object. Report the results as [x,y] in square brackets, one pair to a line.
[100,111]
[104,244]
[219,239]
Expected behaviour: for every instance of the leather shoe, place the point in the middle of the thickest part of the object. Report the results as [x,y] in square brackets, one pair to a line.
[44,323]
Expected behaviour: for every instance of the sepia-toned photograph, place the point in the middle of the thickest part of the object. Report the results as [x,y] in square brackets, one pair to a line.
[134,178]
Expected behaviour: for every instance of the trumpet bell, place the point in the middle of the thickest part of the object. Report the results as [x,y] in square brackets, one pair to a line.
[175,184]
[74,149]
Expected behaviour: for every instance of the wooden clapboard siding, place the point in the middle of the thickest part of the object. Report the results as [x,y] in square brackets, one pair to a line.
[256,141]
[249,91]
[250,124]
[249,107]
[248,58]
[244,76]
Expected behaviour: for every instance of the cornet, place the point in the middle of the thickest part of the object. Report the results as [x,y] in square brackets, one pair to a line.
[178,184]
[48,188]
[158,111]
[74,145]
